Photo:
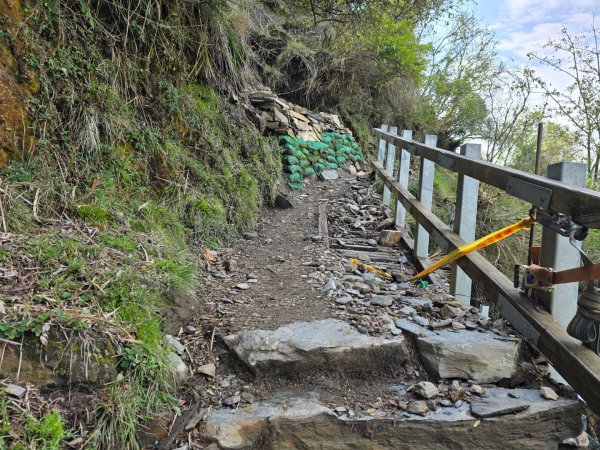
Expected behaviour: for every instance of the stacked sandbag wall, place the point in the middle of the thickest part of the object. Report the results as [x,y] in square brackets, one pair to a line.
[305,158]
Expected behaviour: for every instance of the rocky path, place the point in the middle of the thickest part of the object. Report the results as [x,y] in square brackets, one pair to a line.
[296,348]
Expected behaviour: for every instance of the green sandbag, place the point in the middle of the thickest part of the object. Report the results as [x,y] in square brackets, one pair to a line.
[289,147]
[304,164]
[302,144]
[290,160]
[315,145]
[298,154]
[294,177]
[309,171]
[319,167]
[331,159]
[292,169]
[287,140]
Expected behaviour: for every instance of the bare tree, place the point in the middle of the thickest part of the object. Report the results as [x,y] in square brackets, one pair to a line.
[577,57]
[509,115]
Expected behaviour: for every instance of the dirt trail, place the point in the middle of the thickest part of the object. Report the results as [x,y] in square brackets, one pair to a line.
[284,272]
[285,249]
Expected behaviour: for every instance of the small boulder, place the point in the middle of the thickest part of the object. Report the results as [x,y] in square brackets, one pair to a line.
[424,389]
[418,407]
[389,238]
[381,300]
[208,370]
[231,400]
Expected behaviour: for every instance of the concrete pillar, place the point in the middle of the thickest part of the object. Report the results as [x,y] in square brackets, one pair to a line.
[464,223]
[403,174]
[390,159]
[381,148]
[559,254]
[426,175]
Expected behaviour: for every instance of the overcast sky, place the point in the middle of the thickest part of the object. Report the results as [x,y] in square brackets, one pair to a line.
[523,26]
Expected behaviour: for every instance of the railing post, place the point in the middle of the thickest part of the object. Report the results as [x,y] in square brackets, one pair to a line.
[465,222]
[559,254]
[426,175]
[403,173]
[390,159]
[381,149]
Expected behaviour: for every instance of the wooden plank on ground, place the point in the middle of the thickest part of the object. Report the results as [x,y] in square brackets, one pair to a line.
[577,364]
[323,229]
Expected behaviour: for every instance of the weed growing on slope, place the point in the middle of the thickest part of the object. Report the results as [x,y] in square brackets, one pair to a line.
[138,162]
[21,430]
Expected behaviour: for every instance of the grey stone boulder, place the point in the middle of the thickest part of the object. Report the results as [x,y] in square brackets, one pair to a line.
[324,344]
[469,355]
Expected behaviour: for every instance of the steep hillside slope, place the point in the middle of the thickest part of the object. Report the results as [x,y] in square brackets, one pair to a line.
[126,150]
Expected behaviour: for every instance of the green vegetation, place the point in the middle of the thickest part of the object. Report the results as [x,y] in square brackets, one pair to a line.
[23,431]
[139,160]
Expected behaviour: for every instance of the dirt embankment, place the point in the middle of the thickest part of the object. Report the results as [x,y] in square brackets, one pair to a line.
[17,85]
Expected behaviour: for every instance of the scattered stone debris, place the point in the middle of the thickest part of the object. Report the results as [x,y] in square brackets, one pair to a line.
[381,323]
[285,118]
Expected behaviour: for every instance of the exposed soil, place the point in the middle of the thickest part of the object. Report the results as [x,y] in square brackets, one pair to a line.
[279,257]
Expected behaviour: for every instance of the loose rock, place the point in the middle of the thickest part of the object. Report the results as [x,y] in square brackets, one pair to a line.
[389,238]
[478,390]
[232,400]
[424,389]
[381,300]
[15,390]
[419,407]
[207,369]
[548,393]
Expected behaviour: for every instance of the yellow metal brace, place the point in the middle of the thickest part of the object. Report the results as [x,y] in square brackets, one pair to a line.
[476,245]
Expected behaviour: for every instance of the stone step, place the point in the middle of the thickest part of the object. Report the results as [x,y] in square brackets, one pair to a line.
[327,344]
[285,422]
[483,357]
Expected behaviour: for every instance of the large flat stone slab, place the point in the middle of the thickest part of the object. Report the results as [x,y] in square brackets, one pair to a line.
[324,344]
[298,423]
[469,355]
